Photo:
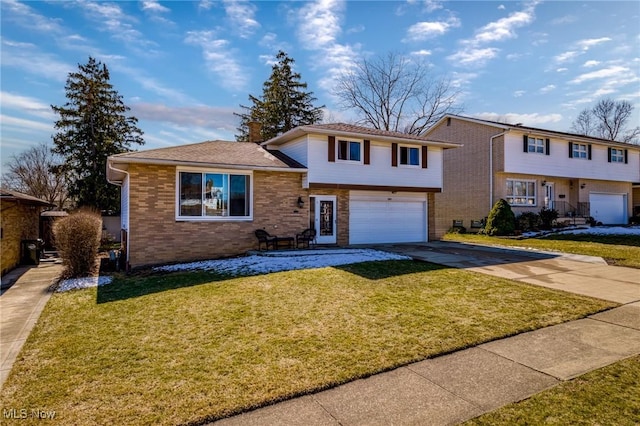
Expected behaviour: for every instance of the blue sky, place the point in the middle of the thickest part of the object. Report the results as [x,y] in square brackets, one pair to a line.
[185,67]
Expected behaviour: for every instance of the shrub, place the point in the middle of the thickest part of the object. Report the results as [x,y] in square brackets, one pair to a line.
[457,230]
[528,221]
[501,220]
[547,216]
[77,238]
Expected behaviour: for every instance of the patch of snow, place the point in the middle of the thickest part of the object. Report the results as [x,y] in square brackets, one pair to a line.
[255,264]
[86,282]
[605,230]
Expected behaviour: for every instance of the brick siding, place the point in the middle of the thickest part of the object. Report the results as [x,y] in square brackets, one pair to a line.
[19,222]
[155,237]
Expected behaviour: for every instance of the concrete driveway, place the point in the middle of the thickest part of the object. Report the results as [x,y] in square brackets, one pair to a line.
[586,275]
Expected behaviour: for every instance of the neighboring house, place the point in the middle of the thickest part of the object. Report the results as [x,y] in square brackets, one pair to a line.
[19,220]
[352,184]
[531,168]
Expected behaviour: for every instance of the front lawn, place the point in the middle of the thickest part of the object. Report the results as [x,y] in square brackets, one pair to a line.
[610,395]
[192,347]
[619,250]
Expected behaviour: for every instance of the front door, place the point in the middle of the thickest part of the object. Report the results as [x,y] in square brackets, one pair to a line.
[549,202]
[325,219]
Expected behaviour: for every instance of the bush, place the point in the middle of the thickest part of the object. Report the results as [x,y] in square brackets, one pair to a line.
[528,221]
[501,220]
[457,230]
[77,238]
[547,216]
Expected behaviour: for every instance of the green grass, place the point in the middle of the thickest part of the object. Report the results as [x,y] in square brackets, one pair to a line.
[619,250]
[608,396]
[193,347]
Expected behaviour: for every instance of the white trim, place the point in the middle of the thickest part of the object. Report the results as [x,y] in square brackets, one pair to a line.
[202,170]
[409,166]
[534,196]
[349,141]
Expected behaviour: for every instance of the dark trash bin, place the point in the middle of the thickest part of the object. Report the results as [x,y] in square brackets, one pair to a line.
[31,250]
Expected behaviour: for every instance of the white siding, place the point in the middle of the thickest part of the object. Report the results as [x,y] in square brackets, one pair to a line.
[124,204]
[559,164]
[297,150]
[379,172]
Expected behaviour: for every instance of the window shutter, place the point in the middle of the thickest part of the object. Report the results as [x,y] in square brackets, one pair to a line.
[589,151]
[525,143]
[547,147]
[331,154]
[626,156]
[609,154]
[367,152]
[394,155]
[424,157]
[570,149]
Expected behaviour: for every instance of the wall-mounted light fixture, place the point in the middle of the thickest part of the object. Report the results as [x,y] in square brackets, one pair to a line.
[300,202]
[582,185]
[544,183]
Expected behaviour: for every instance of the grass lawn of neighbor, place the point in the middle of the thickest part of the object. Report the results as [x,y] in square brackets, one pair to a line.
[186,347]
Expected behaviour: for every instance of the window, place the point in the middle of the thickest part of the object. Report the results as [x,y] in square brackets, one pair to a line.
[409,156]
[617,155]
[349,150]
[536,145]
[214,195]
[521,192]
[579,150]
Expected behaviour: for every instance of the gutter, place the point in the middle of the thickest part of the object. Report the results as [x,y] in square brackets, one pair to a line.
[204,165]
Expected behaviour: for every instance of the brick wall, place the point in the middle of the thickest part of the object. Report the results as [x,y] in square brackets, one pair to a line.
[19,222]
[465,192]
[155,237]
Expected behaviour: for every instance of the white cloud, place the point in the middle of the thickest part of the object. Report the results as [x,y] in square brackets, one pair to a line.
[562,70]
[25,104]
[422,52]
[591,64]
[219,58]
[588,43]
[154,6]
[242,17]
[203,116]
[519,93]
[613,71]
[425,30]
[548,88]
[27,57]
[473,57]
[24,125]
[501,7]
[526,119]
[26,17]
[566,56]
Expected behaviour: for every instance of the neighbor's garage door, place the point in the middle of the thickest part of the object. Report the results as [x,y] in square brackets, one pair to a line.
[387,219]
[610,209]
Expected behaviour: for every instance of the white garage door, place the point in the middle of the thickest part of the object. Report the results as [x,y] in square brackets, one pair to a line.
[387,220]
[610,209]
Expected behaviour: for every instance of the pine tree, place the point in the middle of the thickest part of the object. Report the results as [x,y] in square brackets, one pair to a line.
[92,125]
[284,104]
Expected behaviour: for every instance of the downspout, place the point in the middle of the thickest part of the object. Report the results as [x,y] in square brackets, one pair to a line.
[491,167]
[120,185]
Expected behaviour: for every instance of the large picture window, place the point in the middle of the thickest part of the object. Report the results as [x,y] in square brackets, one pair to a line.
[214,195]
[521,192]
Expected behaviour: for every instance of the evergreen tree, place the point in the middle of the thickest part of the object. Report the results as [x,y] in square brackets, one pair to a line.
[92,125]
[284,104]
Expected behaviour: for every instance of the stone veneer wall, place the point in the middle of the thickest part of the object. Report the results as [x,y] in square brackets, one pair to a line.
[19,222]
[155,237]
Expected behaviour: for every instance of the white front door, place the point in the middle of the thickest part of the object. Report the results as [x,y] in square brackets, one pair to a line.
[549,202]
[325,219]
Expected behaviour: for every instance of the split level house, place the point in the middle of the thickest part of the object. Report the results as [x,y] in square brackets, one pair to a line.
[531,169]
[352,184]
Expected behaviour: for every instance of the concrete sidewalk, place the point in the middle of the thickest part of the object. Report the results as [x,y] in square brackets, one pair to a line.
[453,388]
[20,308]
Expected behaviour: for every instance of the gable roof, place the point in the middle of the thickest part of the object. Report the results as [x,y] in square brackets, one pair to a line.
[519,127]
[221,154]
[351,130]
[9,195]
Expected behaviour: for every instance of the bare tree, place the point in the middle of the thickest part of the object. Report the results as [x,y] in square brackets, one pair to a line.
[395,93]
[35,172]
[607,119]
